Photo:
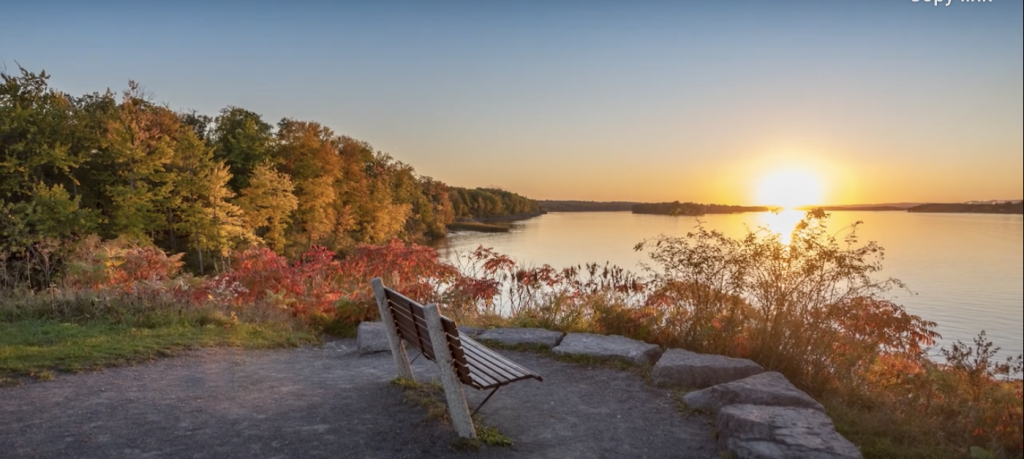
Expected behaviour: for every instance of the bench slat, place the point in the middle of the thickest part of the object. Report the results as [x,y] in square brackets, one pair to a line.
[463,368]
[487,364]
[473,344]
[498,378]
[404,320]
[480,379]
[413,328]
[421,322]
[459,359]
[449,326]
[483,381]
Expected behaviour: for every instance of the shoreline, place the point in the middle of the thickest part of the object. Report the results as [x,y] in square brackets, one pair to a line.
[490,224]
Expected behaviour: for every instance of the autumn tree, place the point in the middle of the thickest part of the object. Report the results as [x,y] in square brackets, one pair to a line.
[308,152]
[139,146]
[268,202]
[202,210]
[436,211]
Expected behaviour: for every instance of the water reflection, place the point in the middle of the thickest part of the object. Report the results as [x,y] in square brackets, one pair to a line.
[782,222]
[966,271]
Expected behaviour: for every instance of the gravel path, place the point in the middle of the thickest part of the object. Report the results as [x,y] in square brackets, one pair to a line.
[332,402]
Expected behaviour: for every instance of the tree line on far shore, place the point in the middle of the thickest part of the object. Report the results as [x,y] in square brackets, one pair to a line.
[692,209]
[119,165]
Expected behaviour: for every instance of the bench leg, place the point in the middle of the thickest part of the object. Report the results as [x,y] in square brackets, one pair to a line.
[397,347]
[457,407]
[481,405]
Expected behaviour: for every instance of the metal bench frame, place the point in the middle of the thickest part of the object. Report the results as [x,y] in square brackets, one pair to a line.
[461,359]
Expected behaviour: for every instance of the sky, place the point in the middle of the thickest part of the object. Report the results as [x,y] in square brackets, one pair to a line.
[844,102]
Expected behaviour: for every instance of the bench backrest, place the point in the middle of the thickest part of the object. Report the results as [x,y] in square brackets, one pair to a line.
[411,326]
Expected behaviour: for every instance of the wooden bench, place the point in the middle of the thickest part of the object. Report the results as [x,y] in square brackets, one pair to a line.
[461,359]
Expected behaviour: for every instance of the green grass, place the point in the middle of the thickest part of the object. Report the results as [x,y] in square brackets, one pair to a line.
[38,348]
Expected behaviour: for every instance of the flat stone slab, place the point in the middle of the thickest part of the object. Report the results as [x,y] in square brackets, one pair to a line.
[774,432]
[472,332]
[768,389]
[678,367]
[522,336]
[371,337]
[608,347]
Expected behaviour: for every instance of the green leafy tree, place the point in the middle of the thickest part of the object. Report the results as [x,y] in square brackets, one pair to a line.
[36,146]
[242,140]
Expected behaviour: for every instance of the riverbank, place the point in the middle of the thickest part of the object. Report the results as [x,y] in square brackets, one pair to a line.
[491,224]
[478,227]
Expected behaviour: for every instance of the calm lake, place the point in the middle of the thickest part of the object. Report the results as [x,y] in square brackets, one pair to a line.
[964,271]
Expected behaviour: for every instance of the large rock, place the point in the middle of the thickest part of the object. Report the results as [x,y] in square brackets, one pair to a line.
[472,332]
[522,336]
[677,367]
[371,337]
[608,347]
[770,389]
[774,432]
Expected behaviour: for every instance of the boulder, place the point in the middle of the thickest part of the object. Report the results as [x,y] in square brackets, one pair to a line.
[774,432]
[371,337]
[769,389]
[522,336]
[608,347]
[678,367]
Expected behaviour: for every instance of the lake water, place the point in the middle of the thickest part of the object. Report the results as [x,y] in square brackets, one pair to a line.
[965,272]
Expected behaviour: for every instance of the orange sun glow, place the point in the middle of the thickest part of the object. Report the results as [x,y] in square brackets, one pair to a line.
[789,188]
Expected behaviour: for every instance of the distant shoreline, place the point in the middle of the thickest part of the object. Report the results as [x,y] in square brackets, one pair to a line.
[1006,208]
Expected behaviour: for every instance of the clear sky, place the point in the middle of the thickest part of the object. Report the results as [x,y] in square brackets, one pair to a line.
[876,100]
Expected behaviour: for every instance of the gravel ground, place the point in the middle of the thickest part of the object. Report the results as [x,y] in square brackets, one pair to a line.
[332,402]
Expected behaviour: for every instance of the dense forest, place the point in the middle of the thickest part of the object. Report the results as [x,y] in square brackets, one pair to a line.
[119,165]
[692,209]
[490,203]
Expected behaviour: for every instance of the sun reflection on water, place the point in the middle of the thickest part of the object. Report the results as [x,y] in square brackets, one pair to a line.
[782,222]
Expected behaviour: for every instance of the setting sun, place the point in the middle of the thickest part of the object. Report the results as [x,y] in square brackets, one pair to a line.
[789,188]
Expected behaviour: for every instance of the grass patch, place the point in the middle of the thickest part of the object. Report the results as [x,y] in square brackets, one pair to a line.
[38,348]
[431,397]
[684,408]
[880,434]
[490,436]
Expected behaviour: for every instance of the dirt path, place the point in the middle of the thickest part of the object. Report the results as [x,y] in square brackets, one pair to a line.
[331,402]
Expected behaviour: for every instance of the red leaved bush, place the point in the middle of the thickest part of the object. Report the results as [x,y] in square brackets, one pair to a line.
[318,284]
[412,269]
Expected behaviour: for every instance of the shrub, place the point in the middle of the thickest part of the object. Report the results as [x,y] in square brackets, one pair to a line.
[121,263]
[809,309]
